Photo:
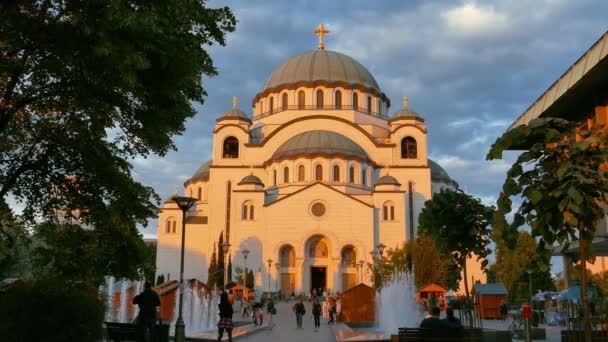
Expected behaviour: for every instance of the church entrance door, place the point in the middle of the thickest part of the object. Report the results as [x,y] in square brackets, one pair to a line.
[318,277]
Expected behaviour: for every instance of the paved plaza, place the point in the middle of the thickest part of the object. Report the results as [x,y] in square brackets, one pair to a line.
[285,327]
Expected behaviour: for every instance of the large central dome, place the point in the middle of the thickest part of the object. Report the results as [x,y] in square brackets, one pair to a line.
[314,143]
[321,65]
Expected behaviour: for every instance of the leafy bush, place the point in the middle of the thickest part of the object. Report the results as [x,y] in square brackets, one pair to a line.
[51,310]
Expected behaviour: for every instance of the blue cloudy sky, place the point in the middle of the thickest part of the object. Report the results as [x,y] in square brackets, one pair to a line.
[469,67]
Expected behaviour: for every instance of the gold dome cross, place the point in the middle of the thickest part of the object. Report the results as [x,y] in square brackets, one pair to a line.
[321,31]
[235,100]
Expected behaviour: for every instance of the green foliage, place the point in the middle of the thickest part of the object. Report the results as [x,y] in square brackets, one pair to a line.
[75,253]
[85,87]
[51,310]
[249,280]
[160,280]
[219,274]
[14,242]
[459,225]
[560,181]
[239,276]
[229,268]
[211,272]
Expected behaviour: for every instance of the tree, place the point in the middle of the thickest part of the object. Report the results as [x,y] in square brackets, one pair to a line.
[229,267]
[249,281]
[219,274]
[14,242]
[459,225]
[85,87]
[562,184]
[239,277]
[211,272]
[513,265]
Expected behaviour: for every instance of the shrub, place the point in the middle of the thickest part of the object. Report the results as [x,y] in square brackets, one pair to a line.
[51,310]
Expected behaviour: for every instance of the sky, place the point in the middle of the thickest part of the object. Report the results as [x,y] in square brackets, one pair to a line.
[470,68]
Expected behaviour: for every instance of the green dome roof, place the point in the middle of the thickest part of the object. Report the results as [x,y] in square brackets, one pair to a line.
[321,65]
[438,174]
[202,173]
[320,143]
[251,179]
[387,180]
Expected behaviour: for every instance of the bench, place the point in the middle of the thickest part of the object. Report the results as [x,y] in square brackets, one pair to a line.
[417,334]
[118,332]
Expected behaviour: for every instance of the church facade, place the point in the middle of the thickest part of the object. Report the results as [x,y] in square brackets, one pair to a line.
[310,184]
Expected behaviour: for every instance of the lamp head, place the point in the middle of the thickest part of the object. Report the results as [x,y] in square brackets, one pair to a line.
[380,248]
[269,261]
[245,253]
[184,203]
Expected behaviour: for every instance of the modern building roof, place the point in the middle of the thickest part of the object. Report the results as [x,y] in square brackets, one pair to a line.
[387,180]
[575,90]
[320,143]
[251,179]
[490,289]
[321,65]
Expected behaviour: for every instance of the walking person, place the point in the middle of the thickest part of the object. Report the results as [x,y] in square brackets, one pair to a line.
[338,309]
[225,322]
[270,308]
[148,300]
[332,312]
[316,314]
[299,310]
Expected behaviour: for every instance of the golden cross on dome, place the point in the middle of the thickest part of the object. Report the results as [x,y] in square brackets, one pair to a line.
[235,100]
[251,168]
[405,102]
[321,31]
[388,169]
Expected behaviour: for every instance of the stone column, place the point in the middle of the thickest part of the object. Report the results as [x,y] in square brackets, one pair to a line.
[302,276]
[337,272]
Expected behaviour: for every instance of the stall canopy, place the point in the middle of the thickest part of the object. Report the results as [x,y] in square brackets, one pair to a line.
[573,293]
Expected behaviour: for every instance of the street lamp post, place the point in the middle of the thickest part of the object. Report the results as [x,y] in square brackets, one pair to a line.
[380,249]
[530,282]
[269,261]
[184,203]
[361,263]
[374,253]
[226,248]
[245,254]
[276,280]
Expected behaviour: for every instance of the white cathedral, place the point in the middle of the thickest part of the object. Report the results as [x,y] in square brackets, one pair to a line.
[310,184]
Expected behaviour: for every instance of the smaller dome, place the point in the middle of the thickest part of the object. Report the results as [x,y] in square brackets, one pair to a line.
[251,179]
[320,143]
[406,113]
[387,180]
[439,174]
[203,172]
[234,113]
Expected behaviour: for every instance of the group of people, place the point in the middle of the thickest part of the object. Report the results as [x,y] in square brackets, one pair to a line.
[433,322]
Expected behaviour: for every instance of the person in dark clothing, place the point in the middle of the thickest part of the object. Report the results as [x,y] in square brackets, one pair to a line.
[451,321]
[299,310]
[332,312]
[225,322]
[433,322]
[147,301]
[504,310]
[316,313]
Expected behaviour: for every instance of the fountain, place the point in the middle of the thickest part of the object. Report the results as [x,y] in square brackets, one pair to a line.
[200,310]
[396,305]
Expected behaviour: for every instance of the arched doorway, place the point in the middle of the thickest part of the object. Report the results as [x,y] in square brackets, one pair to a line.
[287,261]
[318,256]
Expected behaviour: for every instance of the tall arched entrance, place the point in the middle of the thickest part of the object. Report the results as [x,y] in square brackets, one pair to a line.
[318,263]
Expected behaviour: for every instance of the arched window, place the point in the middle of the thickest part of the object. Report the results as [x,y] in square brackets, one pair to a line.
[319,99]
[355,101]
[318,173]
[231,148]
[286,175]
[244,211]
[274,177]
[369,105]
[247,211]
[301,99]
[409,149]
[349,257]
[338,99]
[271,105]
[336,173]
[301,174]
[388,211]
[171,226]
[287,256]
[199,194]
[351,174]
[284,101]
[318,249]
[364,176]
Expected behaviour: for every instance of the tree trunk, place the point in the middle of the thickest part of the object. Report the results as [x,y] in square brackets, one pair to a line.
[467,295]
[584,300]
